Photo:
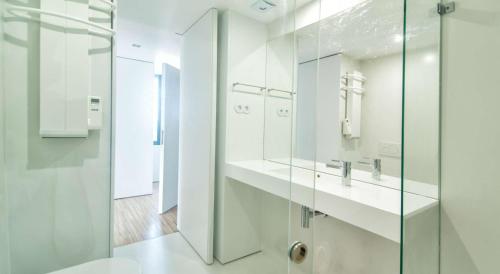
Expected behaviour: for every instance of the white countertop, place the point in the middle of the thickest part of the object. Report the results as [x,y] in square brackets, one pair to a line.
[373,207]
[411,186]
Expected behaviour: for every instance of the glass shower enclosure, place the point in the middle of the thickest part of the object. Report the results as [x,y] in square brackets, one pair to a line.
[352,118]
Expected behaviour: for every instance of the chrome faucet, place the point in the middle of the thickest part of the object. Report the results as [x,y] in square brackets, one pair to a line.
[346,173]
[376,165]
[334,164]
[346,170]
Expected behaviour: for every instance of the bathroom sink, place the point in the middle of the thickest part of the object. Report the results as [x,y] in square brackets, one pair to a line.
[373,207]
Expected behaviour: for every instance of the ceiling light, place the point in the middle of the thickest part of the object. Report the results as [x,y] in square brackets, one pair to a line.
[136,45]
[263,5]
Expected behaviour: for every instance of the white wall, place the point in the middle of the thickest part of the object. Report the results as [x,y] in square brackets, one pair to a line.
[470,242]
[381,112]
[133,122]
[279,105]
[59,188]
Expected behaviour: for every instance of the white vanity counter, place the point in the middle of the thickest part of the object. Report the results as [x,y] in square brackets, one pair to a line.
[373,207]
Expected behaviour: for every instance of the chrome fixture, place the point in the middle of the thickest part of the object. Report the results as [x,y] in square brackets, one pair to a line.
[297,252]
[346,173]
[346,170]
[445,8]
[334,164]
[376,165]
[306,214]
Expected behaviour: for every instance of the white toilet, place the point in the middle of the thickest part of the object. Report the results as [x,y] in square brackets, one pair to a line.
[104,266]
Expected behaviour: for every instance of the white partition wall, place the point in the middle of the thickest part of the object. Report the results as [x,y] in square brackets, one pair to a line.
[133,155]
[197,134]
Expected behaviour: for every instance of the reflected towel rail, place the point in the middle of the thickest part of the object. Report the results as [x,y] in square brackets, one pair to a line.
[358,91]
[111,5]
[354,77]
[108,32]
[280,90]
[261,89]
[111,8]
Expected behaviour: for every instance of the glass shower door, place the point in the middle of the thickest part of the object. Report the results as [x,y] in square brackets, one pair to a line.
[55,165]
[346,154]
[294,214]
[420,220]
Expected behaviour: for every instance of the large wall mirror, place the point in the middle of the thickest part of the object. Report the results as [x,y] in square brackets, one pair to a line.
[346,104]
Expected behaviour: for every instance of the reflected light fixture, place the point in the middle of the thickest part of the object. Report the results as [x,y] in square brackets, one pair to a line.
[263,5]
[430,58]
[398,38]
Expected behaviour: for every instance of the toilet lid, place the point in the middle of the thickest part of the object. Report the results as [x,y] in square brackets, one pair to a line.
[104,266]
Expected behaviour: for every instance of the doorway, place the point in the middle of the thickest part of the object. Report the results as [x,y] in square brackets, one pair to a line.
[145,207]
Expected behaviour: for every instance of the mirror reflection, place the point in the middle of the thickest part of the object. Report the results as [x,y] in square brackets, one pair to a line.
[342,103]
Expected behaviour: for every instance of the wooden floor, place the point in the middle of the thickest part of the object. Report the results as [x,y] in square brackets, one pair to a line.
[136,219]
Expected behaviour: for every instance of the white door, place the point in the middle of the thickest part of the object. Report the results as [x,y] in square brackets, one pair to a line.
[170,175]
[197,135]
[133,121]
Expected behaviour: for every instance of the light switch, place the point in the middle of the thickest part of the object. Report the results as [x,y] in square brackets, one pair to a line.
[389,149]
[94,112]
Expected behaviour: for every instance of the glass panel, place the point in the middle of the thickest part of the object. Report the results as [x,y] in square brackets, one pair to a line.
[57,176]
[359,135]
[4,240]
[353,121]
[258,208]
[420,247]
[283,94]
[280,101]
[303,175]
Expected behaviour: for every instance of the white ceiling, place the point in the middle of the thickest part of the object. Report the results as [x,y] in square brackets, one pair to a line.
[153,24]
[363,29]
[178,15]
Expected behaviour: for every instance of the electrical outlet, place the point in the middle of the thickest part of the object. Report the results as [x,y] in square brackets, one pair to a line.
[283,112]
[242,109]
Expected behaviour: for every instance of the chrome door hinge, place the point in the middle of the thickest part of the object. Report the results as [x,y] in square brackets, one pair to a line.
[445,8]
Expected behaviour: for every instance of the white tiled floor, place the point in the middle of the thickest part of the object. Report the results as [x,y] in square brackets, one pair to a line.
[171,254]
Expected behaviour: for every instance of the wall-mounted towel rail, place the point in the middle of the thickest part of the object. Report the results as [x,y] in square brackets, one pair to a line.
[261,89]
[353,76]
[108,32]
[110,6]
[280,90]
